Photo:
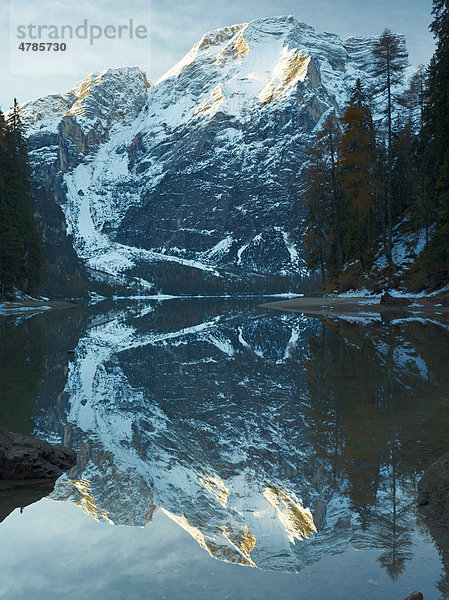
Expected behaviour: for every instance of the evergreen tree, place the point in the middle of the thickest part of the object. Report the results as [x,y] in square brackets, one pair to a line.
[390,61]
[416,98]
[21,255]
[10,250]
[331,137]
[413,103]
[436,136]
[318,197]
[404,171]
[358,163]
[438,94]
[324,238]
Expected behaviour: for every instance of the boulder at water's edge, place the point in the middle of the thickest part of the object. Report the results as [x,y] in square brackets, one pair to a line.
[433,490]
[25,457]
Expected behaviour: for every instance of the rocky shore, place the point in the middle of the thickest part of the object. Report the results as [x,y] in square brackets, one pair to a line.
[433,491]
[31,307]
[25,457]
[363,306]
[28,469]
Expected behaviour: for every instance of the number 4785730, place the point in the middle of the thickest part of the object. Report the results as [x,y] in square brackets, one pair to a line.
[42,47]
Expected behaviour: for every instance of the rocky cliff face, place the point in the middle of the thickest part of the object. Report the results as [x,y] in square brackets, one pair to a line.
[200,172]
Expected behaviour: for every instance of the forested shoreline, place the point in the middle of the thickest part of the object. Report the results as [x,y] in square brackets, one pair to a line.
[22,261]
[377,182]
[376,185]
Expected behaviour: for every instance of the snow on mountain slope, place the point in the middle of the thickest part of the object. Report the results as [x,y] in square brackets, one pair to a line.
[203,167]
[113,95]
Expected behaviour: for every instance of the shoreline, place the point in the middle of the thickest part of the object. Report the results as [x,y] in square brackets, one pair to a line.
[334,305]
[32,307]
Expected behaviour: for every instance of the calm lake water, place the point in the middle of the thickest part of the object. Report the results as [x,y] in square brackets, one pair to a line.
[226,451]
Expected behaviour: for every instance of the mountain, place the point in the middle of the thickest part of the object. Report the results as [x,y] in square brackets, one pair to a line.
[194,180]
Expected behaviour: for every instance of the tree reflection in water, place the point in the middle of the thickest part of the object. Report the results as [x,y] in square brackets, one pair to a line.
[376,420]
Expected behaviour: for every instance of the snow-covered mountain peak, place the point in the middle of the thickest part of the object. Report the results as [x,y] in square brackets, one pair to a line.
[243,68]
[259,62]
[115,90]
[205,46]
[202,169]
[110,95]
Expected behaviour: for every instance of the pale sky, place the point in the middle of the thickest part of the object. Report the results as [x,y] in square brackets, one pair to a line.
[174,27]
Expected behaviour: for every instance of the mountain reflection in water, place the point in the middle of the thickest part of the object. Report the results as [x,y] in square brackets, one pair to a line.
[272,439]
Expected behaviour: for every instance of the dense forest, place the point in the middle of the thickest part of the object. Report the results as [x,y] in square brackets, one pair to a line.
[377,182]
[21,255]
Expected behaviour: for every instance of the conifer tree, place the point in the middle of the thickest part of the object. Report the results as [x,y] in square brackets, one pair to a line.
[358,163]
[390,61]
[330,138]
[21,255]
[10,247]
[437,138]
[438,111]
[410,154]
[324,239]
[318,197]
[417,98]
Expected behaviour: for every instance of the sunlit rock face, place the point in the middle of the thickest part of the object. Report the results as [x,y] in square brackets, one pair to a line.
[202,168]
[64,131]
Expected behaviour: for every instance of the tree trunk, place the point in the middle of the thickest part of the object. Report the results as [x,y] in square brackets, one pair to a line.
[323,272]
[335,198]
[360,244]
[389,172]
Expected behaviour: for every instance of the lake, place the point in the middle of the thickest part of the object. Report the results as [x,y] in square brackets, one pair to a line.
[226,450]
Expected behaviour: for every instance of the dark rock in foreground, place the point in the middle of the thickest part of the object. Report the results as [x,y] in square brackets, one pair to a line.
[433,490]
[415,596]
[23,457]
[389,300]
[15,494]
